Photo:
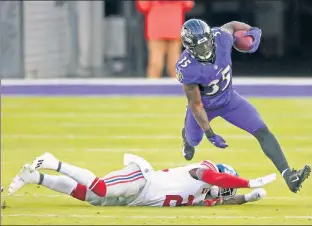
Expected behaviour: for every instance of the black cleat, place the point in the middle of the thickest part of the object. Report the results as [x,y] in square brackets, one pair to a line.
[296,178]
[188,151]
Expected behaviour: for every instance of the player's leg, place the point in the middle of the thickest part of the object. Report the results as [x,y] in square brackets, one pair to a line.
[82,176]
[69,186]
[122,187]
[244,115]
[156,58]
[62,184]
[192,133]
[124,182]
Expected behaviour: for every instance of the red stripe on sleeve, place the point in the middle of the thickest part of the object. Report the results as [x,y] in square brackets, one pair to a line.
[224,180]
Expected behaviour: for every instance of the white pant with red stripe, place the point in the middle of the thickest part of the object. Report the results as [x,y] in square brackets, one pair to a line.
[123,186]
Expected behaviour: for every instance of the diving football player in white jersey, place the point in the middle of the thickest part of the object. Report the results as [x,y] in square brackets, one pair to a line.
[138,184]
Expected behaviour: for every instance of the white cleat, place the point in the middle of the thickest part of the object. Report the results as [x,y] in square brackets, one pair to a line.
[45,161]
[24,177]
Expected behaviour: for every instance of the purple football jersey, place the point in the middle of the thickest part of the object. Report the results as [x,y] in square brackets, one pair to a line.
[214,80]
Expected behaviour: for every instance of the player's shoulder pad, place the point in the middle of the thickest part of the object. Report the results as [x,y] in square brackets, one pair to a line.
[207,164]
[185,69]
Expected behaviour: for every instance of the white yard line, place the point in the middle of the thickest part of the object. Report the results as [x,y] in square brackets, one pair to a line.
[119,81]
[122,105]
[153,216]
[119,124]
[124,115]
[90,115]
[114,125]
[259,80]
[143,150]
[30,136]
[90,107]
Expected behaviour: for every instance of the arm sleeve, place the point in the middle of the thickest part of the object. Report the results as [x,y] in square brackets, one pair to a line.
[223,37]
[223,180]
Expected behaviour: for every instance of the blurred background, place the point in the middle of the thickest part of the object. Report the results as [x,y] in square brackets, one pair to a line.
[114,38]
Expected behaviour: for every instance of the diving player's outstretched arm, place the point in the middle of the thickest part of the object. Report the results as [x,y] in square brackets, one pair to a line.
[255,32]
[192,93]
[255,195]
[226,180]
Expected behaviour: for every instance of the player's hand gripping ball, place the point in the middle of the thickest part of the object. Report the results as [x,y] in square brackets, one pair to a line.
[247,41]
[242,43]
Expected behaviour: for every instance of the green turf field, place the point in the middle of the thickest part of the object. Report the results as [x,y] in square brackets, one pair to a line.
[95,133]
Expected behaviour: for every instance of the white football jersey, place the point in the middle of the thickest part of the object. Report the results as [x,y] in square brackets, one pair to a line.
[174,187]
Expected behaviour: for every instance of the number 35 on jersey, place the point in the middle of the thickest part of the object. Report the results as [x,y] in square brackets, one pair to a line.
[182,63]
[215,86]
[222,84]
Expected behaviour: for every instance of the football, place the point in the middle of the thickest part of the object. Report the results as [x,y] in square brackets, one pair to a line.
[242,42]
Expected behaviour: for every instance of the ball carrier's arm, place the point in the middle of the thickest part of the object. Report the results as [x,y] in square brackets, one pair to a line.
[193,95]
[194,101]
[234,26]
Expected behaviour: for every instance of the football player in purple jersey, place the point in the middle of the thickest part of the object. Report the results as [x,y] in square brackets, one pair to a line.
[205,71]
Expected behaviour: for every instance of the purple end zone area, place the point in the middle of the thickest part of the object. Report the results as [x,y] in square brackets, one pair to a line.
[142,90]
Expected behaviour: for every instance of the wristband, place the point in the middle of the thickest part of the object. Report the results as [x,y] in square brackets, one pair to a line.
[209,133]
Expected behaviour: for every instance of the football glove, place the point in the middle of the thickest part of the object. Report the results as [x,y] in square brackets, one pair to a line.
[261,181]
[255,195]
[215,139]
[256,34]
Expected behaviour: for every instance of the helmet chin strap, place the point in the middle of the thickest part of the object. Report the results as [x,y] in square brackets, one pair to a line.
[208,58]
